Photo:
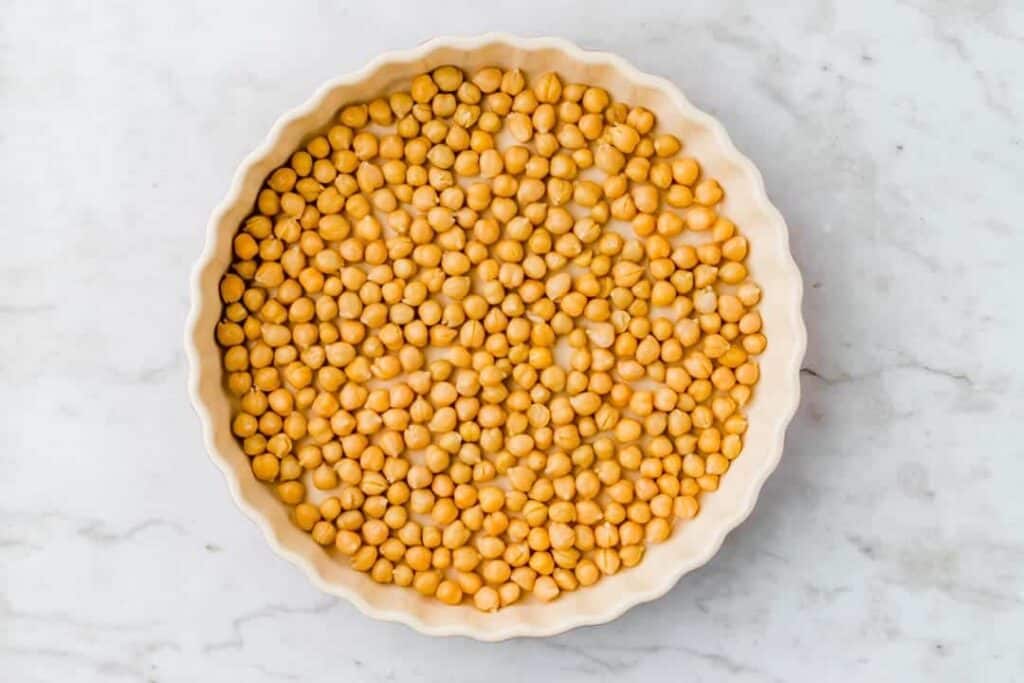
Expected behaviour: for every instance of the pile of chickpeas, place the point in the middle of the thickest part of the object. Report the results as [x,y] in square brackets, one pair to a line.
[484,370]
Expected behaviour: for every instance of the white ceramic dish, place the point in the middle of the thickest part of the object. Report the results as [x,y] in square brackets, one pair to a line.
[692,544]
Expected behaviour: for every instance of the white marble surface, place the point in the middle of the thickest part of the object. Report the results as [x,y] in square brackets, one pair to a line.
[887,547]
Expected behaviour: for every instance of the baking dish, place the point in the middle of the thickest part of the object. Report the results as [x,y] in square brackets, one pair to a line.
[771,265]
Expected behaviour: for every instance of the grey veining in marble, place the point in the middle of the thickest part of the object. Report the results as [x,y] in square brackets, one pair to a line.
[887,547]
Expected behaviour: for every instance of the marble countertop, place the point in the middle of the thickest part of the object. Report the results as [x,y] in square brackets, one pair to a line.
[888,545]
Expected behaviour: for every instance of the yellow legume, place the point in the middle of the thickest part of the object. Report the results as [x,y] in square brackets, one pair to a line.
[368,260]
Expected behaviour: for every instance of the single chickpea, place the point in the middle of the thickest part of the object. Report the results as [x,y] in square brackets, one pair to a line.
[666,145]
[487,599]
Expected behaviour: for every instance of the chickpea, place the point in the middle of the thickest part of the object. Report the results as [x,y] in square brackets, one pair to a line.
[487,599]
[324,295]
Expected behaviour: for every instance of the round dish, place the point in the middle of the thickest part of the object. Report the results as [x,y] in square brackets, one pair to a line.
[771,264]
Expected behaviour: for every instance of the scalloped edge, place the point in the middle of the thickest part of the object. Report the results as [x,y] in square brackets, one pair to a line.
[510,628]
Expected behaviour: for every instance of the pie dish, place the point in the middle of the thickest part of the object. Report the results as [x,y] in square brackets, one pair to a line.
[770,262]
